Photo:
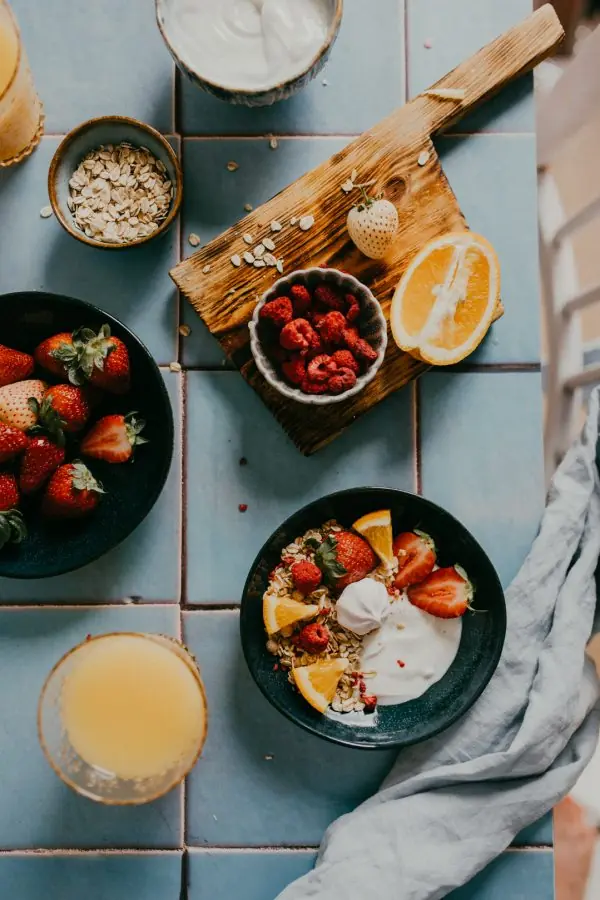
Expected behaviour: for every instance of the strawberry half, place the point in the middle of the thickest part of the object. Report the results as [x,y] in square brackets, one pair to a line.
[14,365]
[446,593]
[114,438]
[415,552]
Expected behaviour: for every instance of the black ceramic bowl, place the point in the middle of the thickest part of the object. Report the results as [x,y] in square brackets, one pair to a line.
[482,633]
[132,488]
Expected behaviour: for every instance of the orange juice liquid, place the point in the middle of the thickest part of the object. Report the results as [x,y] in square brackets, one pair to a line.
[132,706]
[20,107]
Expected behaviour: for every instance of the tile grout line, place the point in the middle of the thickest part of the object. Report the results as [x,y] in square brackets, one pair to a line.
[184,481]
[416,434]
[86,605]
[406,65]
[204,848]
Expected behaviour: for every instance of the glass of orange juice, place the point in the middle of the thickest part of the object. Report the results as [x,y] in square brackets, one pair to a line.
[21,113]
[122,717]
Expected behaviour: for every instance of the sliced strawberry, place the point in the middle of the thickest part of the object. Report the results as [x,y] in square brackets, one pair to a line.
[446,593]
[415,552]
[114,438]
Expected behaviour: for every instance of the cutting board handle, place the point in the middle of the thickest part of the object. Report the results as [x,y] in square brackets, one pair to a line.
[514,53]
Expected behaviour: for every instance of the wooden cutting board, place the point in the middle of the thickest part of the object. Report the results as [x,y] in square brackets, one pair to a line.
[390,155]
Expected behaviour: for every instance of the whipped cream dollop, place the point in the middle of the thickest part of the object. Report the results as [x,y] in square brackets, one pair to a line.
[410,652]
[362,606]
[247,44]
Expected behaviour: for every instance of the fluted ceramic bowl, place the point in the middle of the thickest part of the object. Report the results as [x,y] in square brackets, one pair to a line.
[240,95]
[373,328]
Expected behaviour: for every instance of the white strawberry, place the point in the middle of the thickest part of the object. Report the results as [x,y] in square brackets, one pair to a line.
[372,226]
[14,403]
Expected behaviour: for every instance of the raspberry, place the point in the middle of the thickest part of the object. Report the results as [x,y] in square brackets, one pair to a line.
[332,328]
[279,311]
[370,701]
[321,368]
[298,335]
[345,360]
[301,300]
[353,311]
[359,346]
[306,576]
[341,381]
[314,387]
[313,638]
[316,317]
[294,370]
[329,297]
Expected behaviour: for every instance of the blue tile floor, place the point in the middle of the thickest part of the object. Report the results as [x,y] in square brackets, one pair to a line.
[459,435]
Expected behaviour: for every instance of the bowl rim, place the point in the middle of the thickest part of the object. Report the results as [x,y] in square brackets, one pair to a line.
[313,728]
[275,381]
[334,27]
[152,496]
[67,140]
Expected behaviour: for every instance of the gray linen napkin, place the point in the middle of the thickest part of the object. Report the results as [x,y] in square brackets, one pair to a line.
[453,803]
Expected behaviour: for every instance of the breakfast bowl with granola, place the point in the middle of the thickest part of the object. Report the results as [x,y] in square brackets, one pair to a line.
[372,618]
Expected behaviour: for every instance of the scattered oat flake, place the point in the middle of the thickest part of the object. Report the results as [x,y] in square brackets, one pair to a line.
[175,367]
[46,212]
[259,250]
[269,757]
[248,207]
[276,226]
[446,93]
[206,270]
[185,330]
[348,186]
[269,259]
[306,222]
[324,82]
[354,175]
[423,157]
[215,818]
[259,264]
[194,240]
[232,166]
[248,257]
[280,266]
[236,260]
[273,143]
[249,239]
[268,243]
[293,220]
[400,626]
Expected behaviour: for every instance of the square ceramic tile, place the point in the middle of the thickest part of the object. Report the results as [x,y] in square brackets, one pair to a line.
[493,177]
[518,874]
[539,834]
[364,75]
[237,795]
[227,422]
[92,875]
[145,566]
[481,457]
[37,809]
[97,59]
[216,875]
[38,255]
[215,198]
[455,32]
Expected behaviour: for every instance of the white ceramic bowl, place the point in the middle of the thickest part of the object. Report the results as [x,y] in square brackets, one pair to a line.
[373,328]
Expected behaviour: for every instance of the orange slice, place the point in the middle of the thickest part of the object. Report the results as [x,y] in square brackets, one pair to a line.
[376,528]
[318,682]
[446,299]
[279,612]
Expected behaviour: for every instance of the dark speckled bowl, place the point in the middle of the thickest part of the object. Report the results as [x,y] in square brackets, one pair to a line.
[132,488]
[480,646]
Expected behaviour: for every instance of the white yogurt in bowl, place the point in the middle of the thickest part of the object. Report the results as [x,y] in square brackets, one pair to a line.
[249,49]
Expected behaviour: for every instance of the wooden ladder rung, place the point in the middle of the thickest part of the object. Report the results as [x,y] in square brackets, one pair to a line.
[581,379]
[581,300]
[581,218]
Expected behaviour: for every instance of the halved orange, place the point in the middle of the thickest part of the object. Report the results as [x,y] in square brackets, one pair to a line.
[279,612]
[318,682]
[376,528]
[446,300]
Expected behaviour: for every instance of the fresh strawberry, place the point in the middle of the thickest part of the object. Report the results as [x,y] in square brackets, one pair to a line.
[65,404]
[345,557]
[57,354]
[12,442]
[103,360]
[313,638]
[12,524]
[306,576]
[446,593]
[415,552]
[14,365]
[114,438]
[40,460]
[372,226]
[72,492]
[15,409]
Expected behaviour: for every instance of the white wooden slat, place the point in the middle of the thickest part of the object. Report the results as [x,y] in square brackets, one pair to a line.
[580,301]
[583,378]
[582,217]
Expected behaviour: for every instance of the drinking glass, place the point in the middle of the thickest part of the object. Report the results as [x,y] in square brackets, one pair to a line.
[21,111]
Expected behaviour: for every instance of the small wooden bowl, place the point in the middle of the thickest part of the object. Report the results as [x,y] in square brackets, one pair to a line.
[89,136]
[263,96]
